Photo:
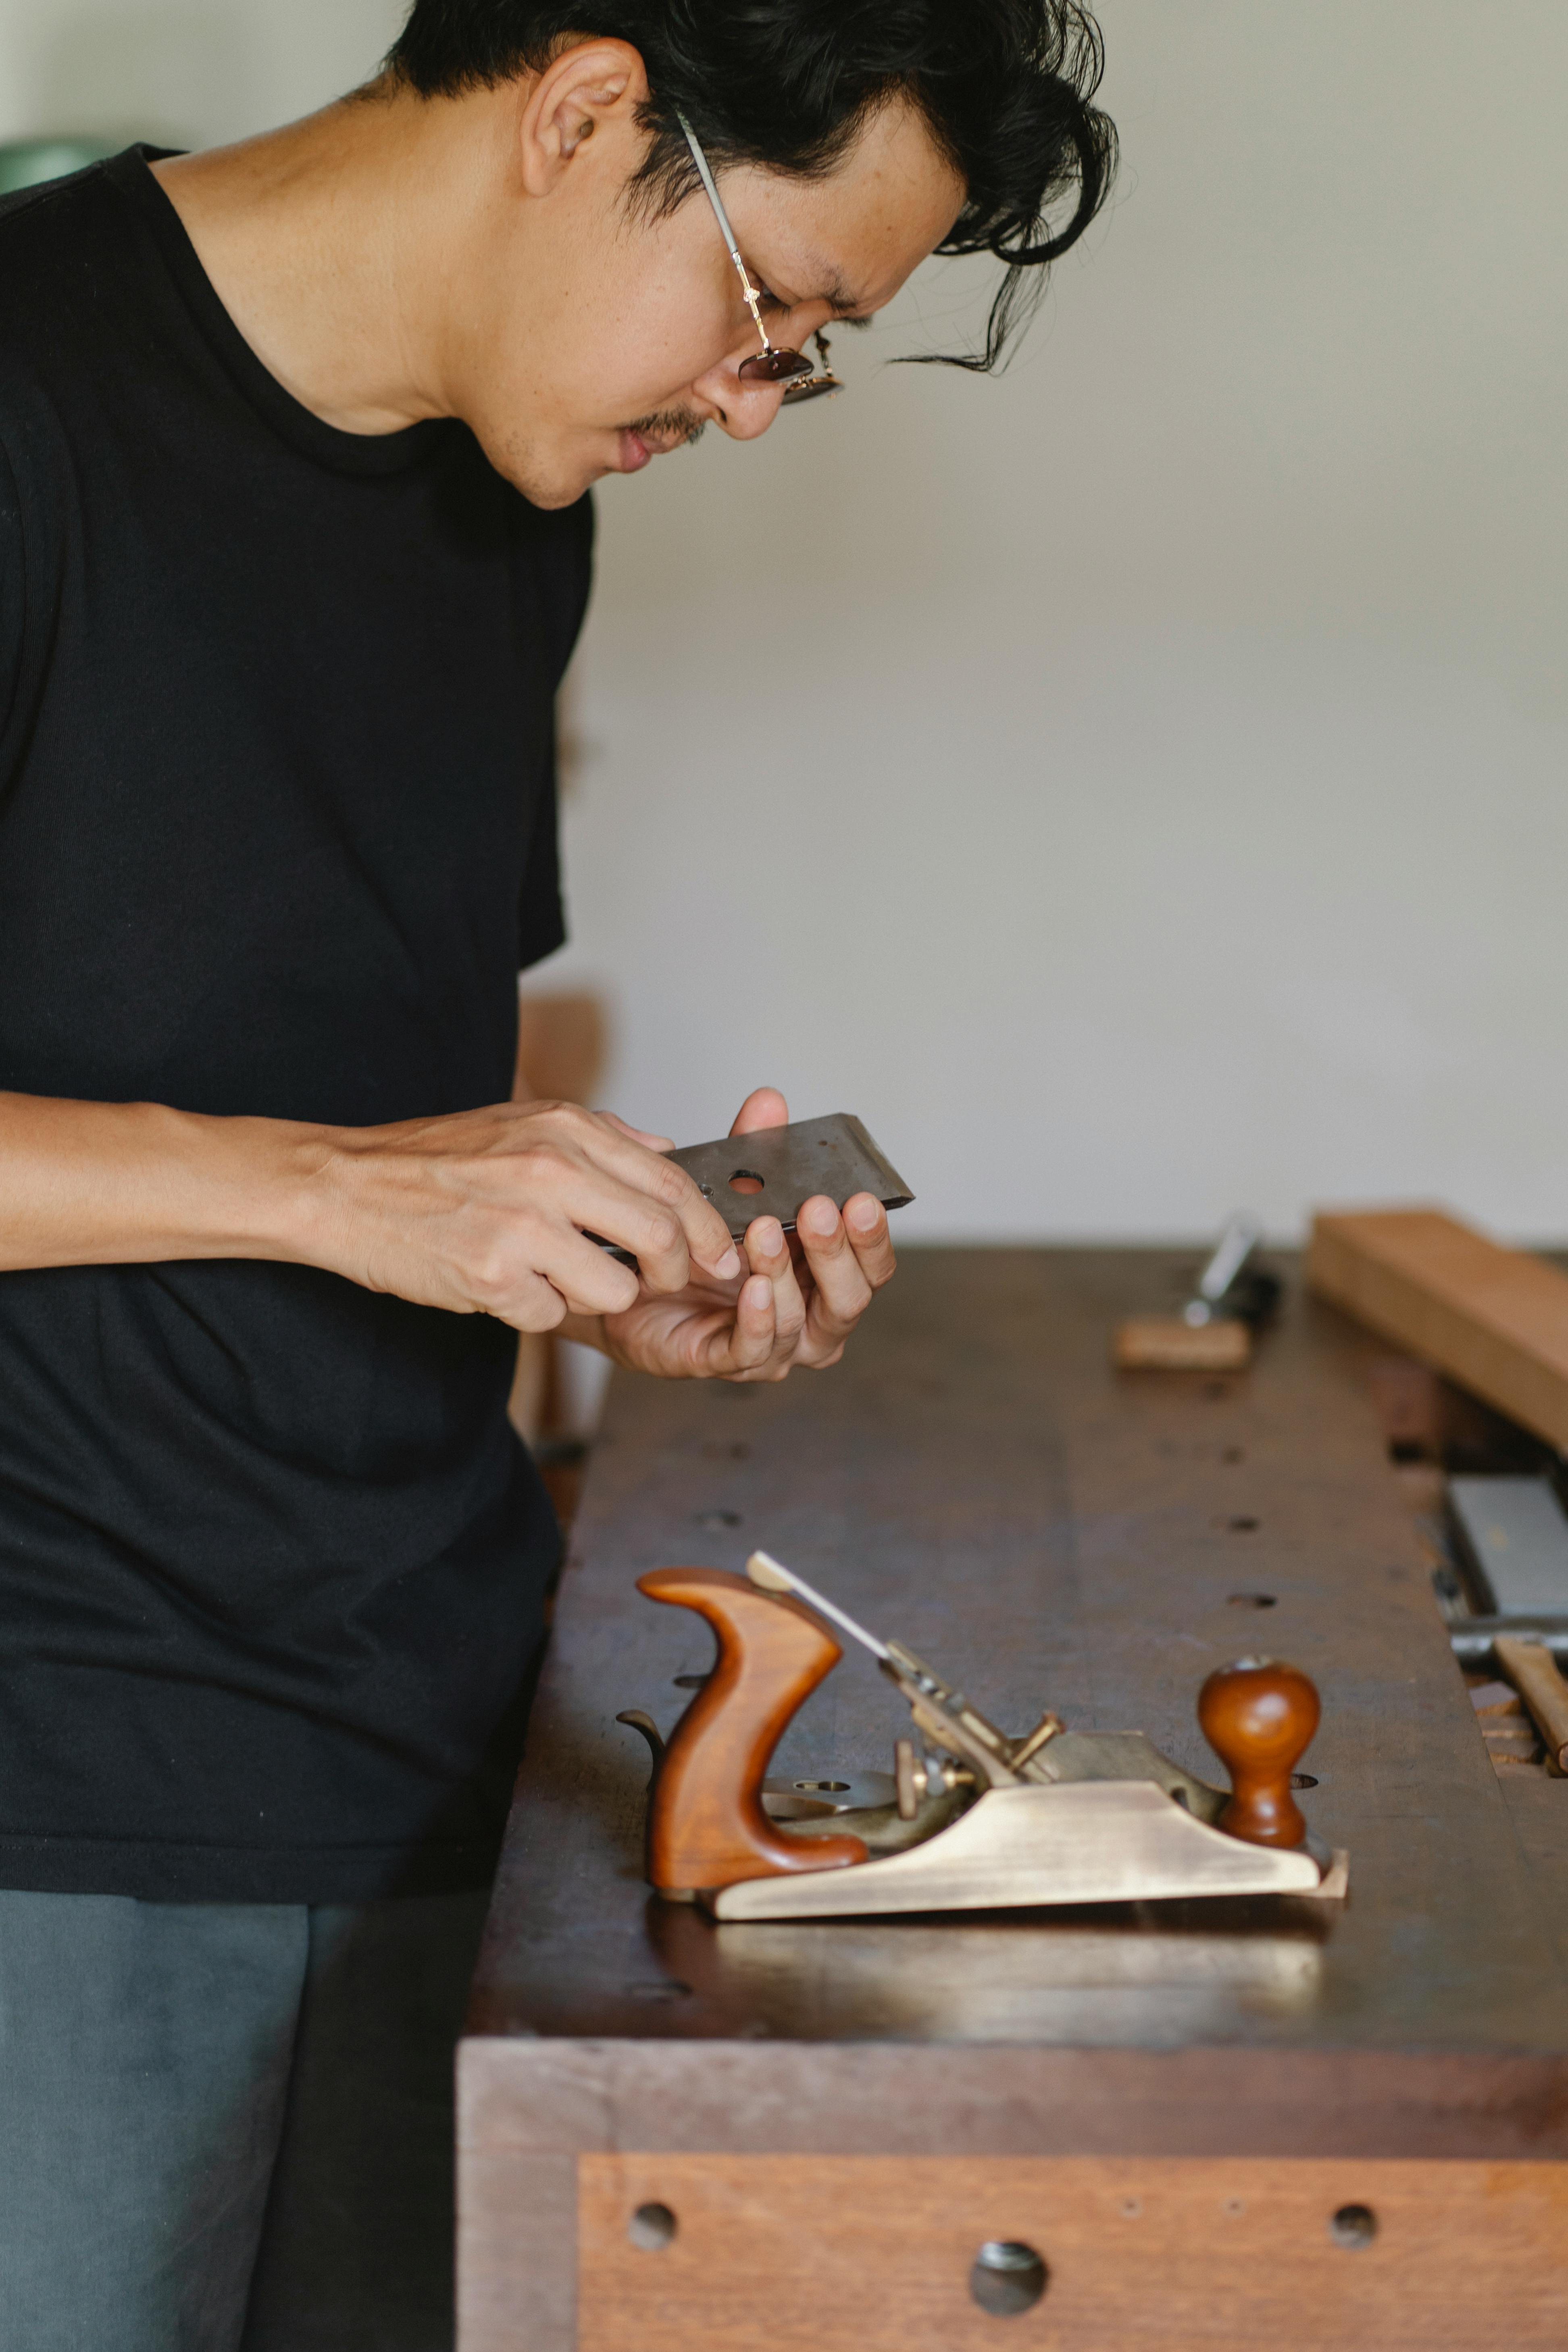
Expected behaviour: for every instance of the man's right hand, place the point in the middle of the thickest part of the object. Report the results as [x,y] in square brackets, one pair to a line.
[486,1210]
[479,1212]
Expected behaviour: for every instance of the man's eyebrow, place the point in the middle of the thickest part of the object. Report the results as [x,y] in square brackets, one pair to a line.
[833,290]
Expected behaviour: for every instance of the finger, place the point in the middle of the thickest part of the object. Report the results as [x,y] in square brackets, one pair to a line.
[754,1343]
[532,1305]
[764,1107]
[551,1258]
[768,1252]
[638,1134]
[738,1344]
[703,1234]
[845,1268]
[866,1221]
[574,1198]
[842,1291]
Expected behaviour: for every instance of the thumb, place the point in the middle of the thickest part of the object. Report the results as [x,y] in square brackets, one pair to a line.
[764,1107]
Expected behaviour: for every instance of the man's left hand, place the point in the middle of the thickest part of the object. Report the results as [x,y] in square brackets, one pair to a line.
[797,1305]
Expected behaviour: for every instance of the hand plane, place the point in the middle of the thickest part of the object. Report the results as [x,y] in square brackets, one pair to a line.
[971,1819]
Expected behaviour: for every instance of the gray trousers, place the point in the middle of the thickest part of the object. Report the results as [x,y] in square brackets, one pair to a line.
[228,2127]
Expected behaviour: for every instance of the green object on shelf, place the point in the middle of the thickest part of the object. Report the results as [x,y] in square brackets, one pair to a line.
[24,161]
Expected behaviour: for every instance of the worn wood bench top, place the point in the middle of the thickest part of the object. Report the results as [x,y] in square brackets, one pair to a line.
[976,1479]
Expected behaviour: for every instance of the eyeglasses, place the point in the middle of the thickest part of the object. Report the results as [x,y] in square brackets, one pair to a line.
[770,366]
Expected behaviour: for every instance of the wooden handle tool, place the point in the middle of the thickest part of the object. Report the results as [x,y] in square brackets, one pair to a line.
[1532,1670]
[707,1827]
[1213,1333]
[1258,1716]
[1163,1343]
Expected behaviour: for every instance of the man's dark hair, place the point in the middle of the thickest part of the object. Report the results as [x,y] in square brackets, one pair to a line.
[1005,86]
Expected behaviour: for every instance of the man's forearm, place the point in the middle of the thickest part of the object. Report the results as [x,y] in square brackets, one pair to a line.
[85,1184]
[480,1211]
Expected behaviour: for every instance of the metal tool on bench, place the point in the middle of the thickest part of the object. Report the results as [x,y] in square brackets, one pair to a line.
[774,1170]
[1511,1540]
[1233,1296]
[1506,1601]
[977,1821]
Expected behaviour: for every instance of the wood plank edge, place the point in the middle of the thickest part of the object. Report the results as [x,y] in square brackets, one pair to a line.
[1383,1297]
[553,2097]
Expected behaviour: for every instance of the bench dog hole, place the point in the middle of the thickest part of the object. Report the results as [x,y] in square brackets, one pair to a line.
[1007,2277]
[652,2227]
[1353,2225]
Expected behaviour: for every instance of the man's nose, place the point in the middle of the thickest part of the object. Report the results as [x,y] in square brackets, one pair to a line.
[740,409]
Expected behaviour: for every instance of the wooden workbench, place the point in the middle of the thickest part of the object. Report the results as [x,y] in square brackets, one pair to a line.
[1171,2104]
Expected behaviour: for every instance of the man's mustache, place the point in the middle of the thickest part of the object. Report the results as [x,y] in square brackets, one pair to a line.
[674,425]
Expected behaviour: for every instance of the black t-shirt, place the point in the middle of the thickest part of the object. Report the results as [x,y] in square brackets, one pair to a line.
[277,832]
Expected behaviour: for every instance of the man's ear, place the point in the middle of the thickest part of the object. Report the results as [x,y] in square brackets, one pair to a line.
[591,91]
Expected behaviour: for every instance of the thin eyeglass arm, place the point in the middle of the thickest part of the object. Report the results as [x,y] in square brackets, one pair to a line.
[722,218]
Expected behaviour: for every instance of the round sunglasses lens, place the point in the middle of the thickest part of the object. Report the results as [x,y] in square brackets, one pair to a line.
[774,367]
[819,386]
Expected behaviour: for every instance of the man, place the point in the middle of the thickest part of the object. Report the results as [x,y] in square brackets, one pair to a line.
[294,440]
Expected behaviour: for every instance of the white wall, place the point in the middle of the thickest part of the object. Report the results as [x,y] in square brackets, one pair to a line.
[1148,793]
[190,72]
